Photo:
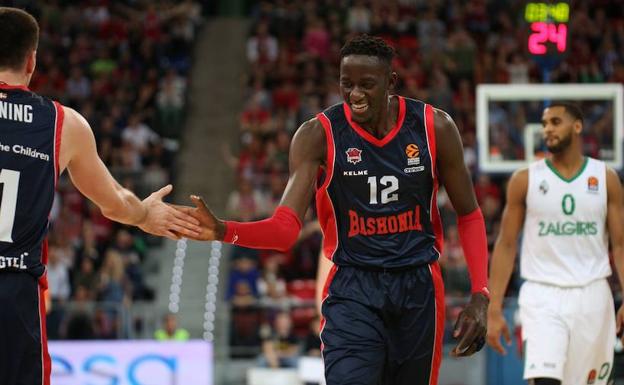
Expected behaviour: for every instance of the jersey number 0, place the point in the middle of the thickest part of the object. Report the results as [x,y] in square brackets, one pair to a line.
[10,181]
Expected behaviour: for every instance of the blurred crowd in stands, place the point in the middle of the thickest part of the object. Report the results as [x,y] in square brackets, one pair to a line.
[124,66]
[444,48]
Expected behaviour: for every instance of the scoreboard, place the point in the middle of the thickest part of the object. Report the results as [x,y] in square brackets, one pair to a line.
[548,24]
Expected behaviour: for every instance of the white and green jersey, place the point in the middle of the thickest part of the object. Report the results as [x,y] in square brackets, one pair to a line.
[565,240]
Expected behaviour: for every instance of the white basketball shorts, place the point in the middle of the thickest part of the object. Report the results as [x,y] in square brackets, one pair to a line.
[569,333]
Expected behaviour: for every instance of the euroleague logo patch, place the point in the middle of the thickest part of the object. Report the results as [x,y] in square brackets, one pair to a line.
[354,155]
[413,154]
[592,184]
[412,150]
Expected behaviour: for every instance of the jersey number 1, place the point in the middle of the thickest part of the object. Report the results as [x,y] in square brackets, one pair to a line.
[388,194]
[9,180]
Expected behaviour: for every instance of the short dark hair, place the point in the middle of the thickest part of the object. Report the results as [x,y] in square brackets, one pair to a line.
[571,108]
[19,34]
[368,46]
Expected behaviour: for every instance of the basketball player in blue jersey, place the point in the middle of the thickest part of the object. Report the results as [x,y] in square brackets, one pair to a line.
[383,157]
[39,139]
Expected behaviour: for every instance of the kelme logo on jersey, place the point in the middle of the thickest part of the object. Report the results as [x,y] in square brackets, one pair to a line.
[3,95]
[413,154]
[567,228]
[354,155]
[592,184]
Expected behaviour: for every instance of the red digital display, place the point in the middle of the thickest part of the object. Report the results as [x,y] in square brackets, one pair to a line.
[544,33]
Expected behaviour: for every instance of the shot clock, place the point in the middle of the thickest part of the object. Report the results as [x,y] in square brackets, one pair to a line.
[548,28]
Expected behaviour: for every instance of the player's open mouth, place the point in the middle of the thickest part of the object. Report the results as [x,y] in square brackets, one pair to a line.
[359,108]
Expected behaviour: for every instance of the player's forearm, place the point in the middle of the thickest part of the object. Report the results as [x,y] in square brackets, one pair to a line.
[279,232]
[473,239]
[127,209]
[502,265]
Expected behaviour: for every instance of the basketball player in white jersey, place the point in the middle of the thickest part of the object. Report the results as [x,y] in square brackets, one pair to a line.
[567,203]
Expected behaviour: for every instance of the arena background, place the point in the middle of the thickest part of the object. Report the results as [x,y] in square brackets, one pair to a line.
[206,95]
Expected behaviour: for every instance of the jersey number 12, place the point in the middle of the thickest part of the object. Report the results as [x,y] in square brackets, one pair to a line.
[388,194]
[9,180]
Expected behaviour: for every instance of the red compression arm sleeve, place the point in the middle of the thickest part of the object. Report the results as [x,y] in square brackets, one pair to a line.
[471,228]
[279,232]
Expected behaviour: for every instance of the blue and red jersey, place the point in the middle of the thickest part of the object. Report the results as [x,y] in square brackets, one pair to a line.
[377,202]
[30,131]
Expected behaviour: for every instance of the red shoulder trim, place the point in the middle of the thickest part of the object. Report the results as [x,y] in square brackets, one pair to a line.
[431,137]
[436,221]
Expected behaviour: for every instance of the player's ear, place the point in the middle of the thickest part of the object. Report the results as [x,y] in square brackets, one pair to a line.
[31,62]
[393,80]
[578,126]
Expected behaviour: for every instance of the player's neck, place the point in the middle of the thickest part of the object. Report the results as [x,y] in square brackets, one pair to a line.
[568,162]
[388,117]
[11,78]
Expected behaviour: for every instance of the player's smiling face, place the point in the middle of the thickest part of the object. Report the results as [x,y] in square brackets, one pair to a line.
[558,128]
[365,82]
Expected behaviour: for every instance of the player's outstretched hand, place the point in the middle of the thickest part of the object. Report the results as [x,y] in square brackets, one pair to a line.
[211,227]
[619,319]
[471,327]
[164,220]
[497,326]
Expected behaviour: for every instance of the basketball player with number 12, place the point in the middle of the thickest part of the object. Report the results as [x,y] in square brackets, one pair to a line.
[374,163]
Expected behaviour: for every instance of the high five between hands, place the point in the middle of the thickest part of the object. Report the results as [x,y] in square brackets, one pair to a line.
[210,227]
[176,221]
[165,220]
